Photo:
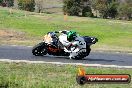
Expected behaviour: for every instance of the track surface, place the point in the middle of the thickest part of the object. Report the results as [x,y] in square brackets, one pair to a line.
[104,58]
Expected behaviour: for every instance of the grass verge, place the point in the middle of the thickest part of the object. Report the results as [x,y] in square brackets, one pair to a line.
[25,75]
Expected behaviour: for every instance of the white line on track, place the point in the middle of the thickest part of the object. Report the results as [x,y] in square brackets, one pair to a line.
[16,45]
[60,63]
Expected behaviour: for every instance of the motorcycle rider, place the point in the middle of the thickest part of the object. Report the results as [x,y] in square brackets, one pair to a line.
[73,43]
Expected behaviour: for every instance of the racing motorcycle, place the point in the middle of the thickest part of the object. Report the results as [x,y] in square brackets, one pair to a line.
[52,46]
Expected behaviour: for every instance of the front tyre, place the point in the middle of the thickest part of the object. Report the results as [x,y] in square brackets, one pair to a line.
[88,49]
[82,55]
[39,49]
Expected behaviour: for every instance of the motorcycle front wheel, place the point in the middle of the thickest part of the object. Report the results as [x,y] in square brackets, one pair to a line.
[82,55]
[39,49]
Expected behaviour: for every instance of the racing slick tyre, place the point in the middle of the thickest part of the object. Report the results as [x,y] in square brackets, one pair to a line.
[39,49]
[88,49]
[82,55]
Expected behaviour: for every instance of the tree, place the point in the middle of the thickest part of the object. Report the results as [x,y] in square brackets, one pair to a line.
[72,7]
[10,3]
[28,5]
[112,9]
[87,12]
[1,2]
[101,6]
[39,5]
[125,10]
[107,8]
[7,3]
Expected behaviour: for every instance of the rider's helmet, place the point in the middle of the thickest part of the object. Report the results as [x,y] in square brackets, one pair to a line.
[71,35]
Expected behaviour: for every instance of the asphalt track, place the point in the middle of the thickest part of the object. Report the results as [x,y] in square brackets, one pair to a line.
[104,58]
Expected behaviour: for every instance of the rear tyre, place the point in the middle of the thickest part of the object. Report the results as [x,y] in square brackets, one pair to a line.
[39,49]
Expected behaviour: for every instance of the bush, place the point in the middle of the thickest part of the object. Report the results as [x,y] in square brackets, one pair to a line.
[125,10]
[87,12]
[72,7]
[28,5]
[107,8]
[7,3]
[112,9]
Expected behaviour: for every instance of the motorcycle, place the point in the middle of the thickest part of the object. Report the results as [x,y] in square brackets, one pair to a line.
[52,46]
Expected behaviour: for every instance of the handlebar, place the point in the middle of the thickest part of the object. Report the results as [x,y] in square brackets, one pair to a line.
[64,32]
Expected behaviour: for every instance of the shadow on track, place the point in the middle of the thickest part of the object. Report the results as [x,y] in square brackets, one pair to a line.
[85,59]
[89,59]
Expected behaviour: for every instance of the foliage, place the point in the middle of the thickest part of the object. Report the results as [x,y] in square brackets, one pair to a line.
[39,5]
[72,7]
[87,12]
[125,10]
[28,5]
[112,9]
[1,1]
[107,8]
[6,3]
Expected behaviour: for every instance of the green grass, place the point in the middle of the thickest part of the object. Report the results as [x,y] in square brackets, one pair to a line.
[111,33]
[24,75]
